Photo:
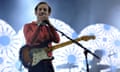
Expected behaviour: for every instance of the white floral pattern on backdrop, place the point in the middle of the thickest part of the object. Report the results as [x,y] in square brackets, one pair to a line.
[69,58]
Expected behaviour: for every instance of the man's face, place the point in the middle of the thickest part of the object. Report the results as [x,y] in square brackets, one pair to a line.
[42,12]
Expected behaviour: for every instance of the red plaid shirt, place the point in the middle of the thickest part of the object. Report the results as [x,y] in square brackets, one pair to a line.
[46,33]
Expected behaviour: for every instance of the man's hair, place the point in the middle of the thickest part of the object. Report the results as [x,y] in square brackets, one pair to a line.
[49,8]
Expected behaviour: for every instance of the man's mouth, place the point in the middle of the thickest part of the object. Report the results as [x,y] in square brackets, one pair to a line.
[42,14]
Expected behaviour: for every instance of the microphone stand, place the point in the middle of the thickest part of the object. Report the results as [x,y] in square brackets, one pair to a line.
[86,51]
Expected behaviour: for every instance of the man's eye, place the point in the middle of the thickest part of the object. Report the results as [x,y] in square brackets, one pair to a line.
[45,9]
[40,9]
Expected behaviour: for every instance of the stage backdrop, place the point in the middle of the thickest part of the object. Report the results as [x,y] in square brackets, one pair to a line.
[77,18]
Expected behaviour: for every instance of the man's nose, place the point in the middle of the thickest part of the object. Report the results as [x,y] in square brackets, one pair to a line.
[42,10]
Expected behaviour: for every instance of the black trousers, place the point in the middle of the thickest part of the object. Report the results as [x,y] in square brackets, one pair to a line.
[42,66]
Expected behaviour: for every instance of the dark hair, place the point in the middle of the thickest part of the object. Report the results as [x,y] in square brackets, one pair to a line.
[43,3]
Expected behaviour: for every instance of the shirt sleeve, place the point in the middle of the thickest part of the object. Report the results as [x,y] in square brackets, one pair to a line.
[28,33]
[54,35]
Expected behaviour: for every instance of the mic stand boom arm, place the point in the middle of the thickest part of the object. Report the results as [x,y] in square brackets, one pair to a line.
[86,51]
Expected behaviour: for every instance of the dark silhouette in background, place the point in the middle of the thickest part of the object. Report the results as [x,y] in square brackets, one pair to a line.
[95,66]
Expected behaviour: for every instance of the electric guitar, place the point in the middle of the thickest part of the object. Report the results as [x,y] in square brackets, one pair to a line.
[32,56]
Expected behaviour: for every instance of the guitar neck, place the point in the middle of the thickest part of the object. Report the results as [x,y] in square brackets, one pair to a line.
[85,38]
[61,45]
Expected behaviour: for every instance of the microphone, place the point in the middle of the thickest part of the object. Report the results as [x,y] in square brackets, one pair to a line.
[39,23]
[47,22]
[42,23]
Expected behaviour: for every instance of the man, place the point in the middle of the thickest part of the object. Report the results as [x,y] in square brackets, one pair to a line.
[40,34]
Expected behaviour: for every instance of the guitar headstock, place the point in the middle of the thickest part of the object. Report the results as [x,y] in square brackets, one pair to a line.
[87,37]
